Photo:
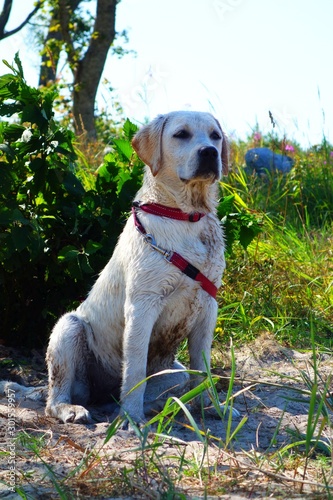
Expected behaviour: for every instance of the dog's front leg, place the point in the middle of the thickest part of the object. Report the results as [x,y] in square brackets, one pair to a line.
[201,338]
[140,317]
[200,343]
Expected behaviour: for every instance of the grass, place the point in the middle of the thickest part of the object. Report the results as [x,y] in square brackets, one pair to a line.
[285,280]
[282,284]
[285,277]
[159,466]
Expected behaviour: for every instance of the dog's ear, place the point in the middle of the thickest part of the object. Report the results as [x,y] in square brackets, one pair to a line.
[225,150]
[225,154]
[148,143]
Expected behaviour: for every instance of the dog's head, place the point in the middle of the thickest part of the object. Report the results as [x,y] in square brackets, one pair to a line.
[188,144]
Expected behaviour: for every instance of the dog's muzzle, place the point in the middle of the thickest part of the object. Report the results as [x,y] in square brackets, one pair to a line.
[208,163]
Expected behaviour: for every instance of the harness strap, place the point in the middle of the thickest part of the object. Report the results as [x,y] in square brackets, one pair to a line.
[194,273]
[174,258]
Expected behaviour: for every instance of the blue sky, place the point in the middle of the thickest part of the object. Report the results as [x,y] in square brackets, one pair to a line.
[238,59]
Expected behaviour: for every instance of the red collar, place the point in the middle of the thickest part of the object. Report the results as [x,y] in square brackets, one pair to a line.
[173,257]
[171,213]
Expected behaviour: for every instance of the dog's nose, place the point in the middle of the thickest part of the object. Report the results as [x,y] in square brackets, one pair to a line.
[208,152]
[208,163]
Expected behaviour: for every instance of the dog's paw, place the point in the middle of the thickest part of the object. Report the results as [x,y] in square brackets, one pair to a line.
[78,415]
[75,414]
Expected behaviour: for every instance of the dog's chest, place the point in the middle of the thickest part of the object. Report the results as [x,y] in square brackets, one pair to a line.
[206,250]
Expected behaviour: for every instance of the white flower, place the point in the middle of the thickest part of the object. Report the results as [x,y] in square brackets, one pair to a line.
[51,147]
[26,136]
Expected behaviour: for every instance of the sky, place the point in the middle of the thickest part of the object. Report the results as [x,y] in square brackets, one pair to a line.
[238,59]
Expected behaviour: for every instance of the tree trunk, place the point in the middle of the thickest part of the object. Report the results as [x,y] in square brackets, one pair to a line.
[90,68]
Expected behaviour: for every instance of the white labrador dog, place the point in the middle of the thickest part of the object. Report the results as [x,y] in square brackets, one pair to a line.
[151,295]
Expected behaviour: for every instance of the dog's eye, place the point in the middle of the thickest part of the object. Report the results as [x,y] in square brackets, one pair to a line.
[215,136]
[182,134]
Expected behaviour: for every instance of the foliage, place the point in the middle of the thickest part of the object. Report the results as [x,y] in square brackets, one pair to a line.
[239,223]
[56,234]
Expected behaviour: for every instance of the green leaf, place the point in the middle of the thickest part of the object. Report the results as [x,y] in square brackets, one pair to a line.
[85,264]
[124,147]
[8,151]
[9,109]
[92,247]
[74,269]
[225,206]
[8,87]
[48,105]
[19,65]
[127,193]
[7,177]
[107,177]
[104,173]
[246,235]
[68,253]
[73,185]
[69,154]
[5,216]
[32,114]
[6,63]
[130,129]
[17,216]
[37,163]
[13,132]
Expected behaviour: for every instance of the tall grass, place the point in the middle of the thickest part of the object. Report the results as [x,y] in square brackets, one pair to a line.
[286,275]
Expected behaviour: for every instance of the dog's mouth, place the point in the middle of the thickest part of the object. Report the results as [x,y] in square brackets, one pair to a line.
[207,179]
[203,175]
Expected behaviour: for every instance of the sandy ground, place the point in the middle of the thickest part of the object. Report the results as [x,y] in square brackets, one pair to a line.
[266,393]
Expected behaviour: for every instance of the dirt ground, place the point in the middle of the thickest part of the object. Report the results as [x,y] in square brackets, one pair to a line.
[265,389]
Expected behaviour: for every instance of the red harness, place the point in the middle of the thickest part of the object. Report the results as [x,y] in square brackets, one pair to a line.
[173,257]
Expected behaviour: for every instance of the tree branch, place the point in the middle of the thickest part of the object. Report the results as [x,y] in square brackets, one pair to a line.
[4,16]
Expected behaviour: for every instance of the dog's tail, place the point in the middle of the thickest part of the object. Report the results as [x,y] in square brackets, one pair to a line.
[12,389]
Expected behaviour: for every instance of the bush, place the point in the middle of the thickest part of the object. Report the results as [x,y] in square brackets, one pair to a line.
[55,234]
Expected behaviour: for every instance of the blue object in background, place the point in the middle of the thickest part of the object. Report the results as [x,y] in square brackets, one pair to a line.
[263,159]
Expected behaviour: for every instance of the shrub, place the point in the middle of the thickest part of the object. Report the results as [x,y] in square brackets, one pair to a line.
[55,234]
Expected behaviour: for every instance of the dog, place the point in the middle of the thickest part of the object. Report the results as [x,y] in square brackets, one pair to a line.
[159,286]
